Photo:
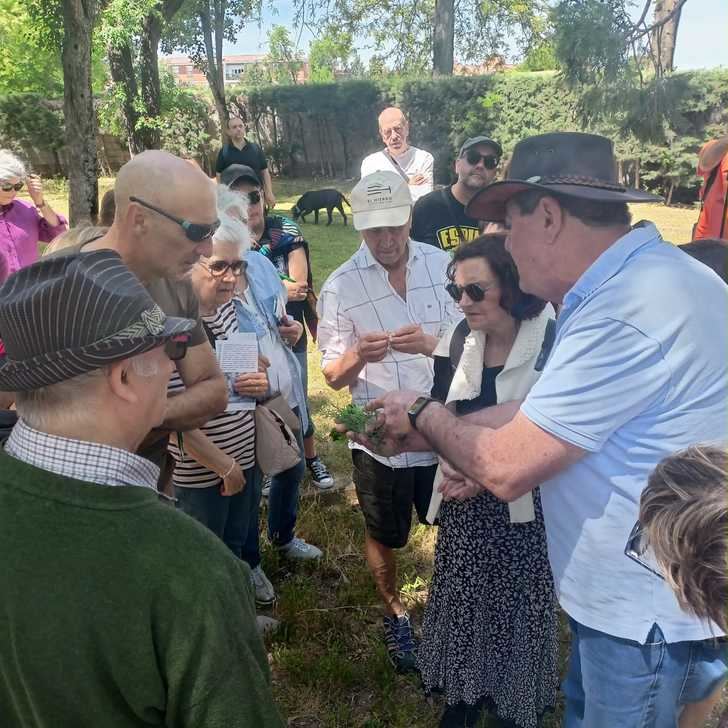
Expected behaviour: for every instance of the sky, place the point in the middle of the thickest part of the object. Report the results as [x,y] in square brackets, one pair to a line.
[701,40]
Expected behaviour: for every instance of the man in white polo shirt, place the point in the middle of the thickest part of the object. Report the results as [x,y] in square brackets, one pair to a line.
[413,165]
[380,316]
[637,372]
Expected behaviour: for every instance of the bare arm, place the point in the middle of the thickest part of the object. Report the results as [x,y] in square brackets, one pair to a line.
[270,198]
[298,270]
[205,392]
[508,461]
[712,153]
[344,371]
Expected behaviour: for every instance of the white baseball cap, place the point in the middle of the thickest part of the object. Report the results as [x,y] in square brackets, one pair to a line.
[381,199]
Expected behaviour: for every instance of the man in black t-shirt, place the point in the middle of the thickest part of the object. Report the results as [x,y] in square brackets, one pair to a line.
[439,217]
[241,151]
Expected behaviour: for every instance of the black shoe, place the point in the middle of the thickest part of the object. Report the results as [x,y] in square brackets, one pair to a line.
[400,643]
[460,715]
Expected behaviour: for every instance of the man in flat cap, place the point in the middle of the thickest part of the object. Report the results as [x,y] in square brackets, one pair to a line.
[93,632]
[637,371]
[439,218]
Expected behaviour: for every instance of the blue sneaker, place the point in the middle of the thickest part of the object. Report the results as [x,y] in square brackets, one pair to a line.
[400,641]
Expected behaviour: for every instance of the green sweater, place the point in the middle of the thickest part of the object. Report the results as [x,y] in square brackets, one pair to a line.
[117,611]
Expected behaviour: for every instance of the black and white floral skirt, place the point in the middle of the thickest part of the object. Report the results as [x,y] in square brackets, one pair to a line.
[491,628]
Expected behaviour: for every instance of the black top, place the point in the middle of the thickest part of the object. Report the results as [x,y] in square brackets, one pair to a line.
[437,217]
[251,154]
[443,379]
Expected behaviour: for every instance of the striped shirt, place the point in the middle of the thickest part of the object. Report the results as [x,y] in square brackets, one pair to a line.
[232,432]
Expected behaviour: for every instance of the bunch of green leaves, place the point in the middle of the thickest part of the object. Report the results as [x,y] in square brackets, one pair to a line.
[356,419]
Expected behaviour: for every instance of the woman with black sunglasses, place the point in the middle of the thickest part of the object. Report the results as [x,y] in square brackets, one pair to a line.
[489,635]
[24,225]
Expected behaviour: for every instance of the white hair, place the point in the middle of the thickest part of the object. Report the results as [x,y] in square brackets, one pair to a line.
[11,166]
[232,209]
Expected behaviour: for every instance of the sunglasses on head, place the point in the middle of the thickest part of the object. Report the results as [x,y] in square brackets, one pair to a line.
[176,347]
[490,161]
[195,232]
[475,291]
[7,187]
[218,268]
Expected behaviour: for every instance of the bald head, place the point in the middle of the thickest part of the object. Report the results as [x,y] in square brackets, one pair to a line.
[394,130]
[166,181]
[151,243]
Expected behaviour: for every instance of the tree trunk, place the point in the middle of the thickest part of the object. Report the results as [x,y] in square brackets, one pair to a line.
[215,71]
[443,38]
[78,109]
[663,37]
[121,66]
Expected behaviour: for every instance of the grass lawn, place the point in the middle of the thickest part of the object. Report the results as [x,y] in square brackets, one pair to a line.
[329,664]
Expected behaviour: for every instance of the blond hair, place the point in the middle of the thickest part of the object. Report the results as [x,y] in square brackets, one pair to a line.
[75,236]
[684,513]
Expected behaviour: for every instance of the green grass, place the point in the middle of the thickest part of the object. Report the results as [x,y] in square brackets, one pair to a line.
[328,662]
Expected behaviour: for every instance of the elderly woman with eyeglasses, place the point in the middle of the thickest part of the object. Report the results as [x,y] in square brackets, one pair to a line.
[490,631]
[23,225]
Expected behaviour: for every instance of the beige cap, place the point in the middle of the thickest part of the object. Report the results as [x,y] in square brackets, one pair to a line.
[381,199]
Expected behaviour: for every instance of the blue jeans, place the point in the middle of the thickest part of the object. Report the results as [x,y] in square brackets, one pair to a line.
[613,682]
[302,357]
[231,518]
[282,509]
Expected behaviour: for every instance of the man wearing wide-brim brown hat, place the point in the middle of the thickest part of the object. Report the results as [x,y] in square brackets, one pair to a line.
[636,372]
[93,632]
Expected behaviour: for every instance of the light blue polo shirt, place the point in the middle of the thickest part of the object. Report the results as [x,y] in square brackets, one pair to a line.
[638,370]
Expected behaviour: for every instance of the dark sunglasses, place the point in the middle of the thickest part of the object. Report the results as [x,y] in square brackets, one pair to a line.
[490,161]
[194,231]
[254,197]
[638,550]
[176,347]
[7,187]
[475,291]
[218,268]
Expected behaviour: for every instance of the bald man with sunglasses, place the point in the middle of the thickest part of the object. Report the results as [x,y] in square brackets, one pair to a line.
[439,218]
[165,218]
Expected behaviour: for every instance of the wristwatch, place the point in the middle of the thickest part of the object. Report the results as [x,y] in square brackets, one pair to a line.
[416,408]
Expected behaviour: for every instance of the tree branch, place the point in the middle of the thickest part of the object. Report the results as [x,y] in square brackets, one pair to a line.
[660,23]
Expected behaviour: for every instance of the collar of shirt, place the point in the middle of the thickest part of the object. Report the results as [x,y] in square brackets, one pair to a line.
[90,462]
[611,262]
[365,259]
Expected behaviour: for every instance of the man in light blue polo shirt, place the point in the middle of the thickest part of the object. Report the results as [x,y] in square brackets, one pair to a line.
[638,370]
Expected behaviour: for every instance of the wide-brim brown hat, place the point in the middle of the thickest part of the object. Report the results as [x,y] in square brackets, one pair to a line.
[562,163]
[69,315]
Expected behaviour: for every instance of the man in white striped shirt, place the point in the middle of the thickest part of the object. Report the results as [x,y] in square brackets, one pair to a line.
[381,314]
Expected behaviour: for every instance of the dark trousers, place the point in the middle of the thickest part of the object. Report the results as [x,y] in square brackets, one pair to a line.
[231,518]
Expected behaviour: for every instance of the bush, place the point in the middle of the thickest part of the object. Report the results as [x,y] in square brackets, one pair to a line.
[507,106]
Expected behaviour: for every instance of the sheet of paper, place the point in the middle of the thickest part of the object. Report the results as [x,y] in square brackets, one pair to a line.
[237,355]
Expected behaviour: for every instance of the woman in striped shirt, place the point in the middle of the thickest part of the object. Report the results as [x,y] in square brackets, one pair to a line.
[215,476]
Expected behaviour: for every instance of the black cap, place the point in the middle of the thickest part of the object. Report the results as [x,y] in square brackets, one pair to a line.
[237,172]
[68,315]
[474,141]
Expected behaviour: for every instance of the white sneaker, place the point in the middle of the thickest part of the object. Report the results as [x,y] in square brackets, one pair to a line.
[265,491]
[265,624]
[298,549]
[264,593]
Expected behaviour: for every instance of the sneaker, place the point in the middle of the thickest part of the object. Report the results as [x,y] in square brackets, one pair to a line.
[400,643]
[265,490]
[299,550]
[265,624]
[264,593]
[320,475]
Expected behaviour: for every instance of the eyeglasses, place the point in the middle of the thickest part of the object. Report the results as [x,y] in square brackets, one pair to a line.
[218,268]
[490,161]
[7,187]
[399,130]
[638,550]
[254,197]
[475,291]
[195,232]
[176,347]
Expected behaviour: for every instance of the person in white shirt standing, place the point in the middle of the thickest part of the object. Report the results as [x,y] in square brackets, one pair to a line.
[412,164]
[381,314]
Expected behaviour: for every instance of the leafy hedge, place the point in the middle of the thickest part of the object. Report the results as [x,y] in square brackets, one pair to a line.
[443,112]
